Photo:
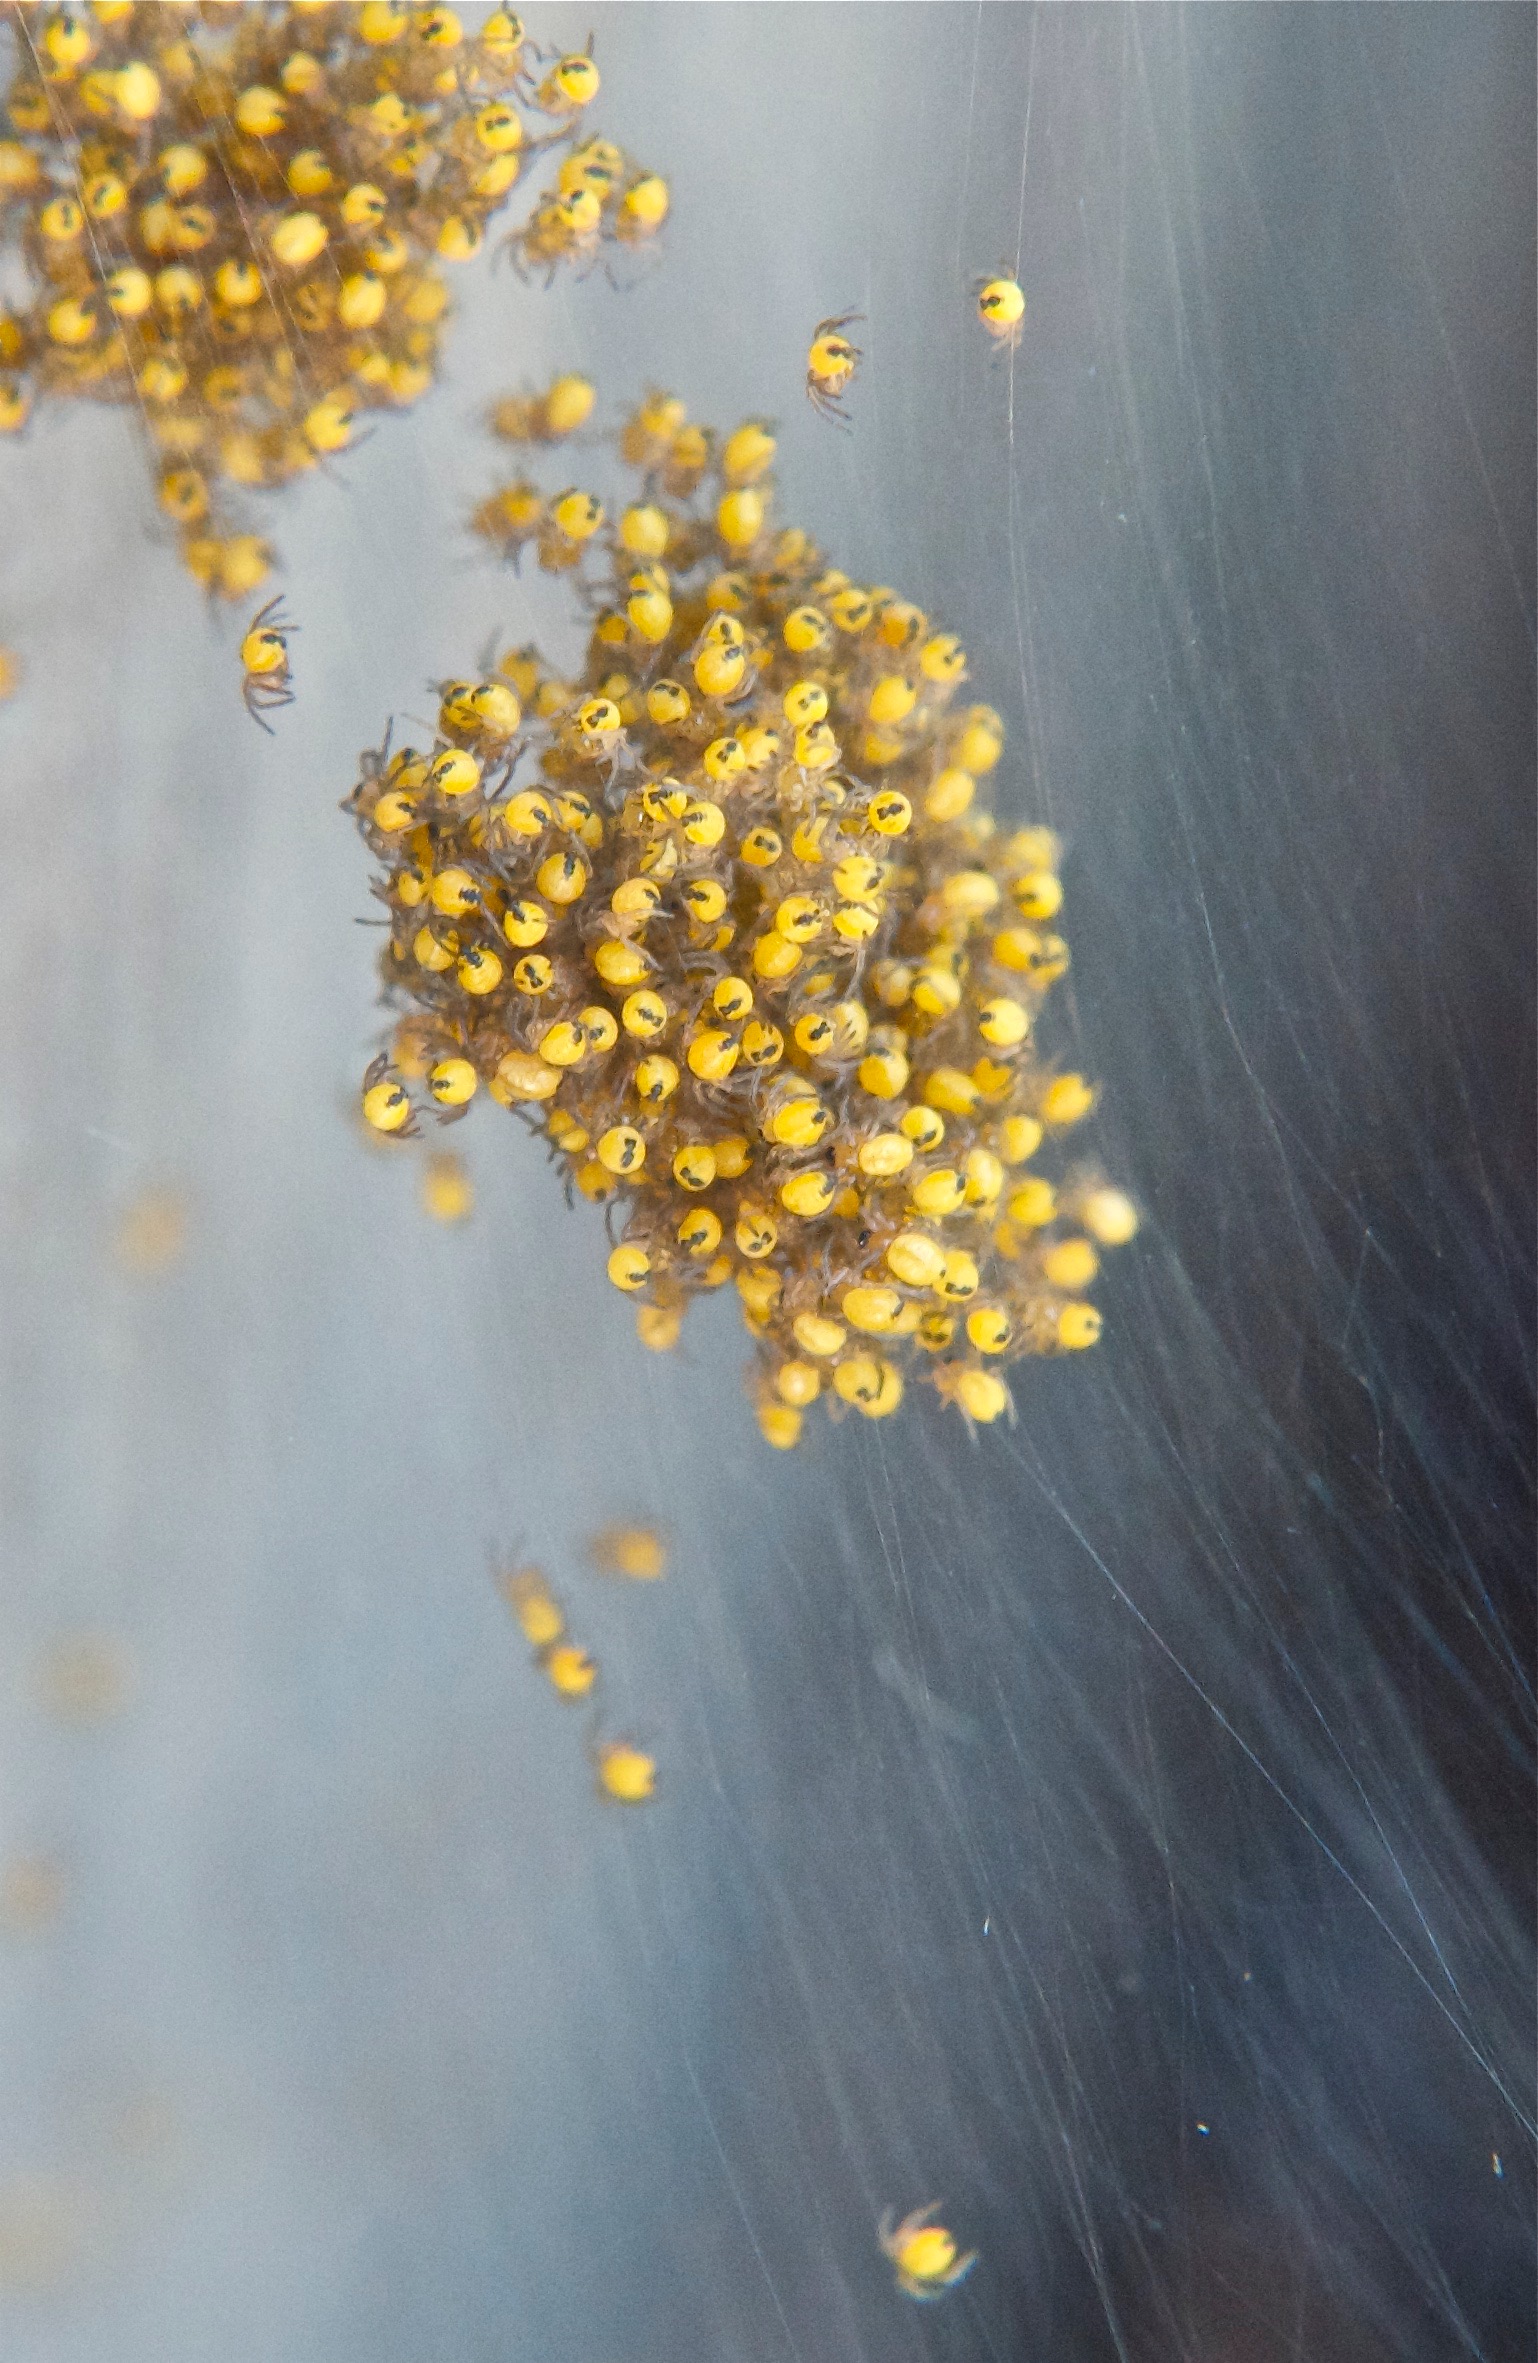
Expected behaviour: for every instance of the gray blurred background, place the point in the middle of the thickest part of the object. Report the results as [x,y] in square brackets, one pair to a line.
[1120,1827]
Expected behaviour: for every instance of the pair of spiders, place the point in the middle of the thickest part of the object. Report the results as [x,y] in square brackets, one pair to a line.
[832,360]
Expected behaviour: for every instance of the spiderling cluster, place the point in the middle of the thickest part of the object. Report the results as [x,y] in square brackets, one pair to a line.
[728,919]
[235,217]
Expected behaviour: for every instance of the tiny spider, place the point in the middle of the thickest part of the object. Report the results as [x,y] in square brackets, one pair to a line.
[386,1103]
[831,362]
[924,2254]
[264,654]
[626,1774]
[636,1551]
[536,1607]
[1001,308]
[570,1669]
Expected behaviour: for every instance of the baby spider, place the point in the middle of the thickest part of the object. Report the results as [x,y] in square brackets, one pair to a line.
[636,1551]
[1001,309]
[386,1106]
[831,362]
[264,654]
[570,1670]
[626,1775]
[536,1607]
[924,2254]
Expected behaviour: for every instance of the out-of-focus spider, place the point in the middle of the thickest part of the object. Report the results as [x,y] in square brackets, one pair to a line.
[924,2254]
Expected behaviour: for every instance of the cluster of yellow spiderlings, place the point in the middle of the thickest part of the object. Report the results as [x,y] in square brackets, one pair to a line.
[598,198]
[728,918]
[235,216]
[624,1772]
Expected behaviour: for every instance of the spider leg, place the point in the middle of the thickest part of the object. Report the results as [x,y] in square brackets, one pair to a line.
[825,404]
